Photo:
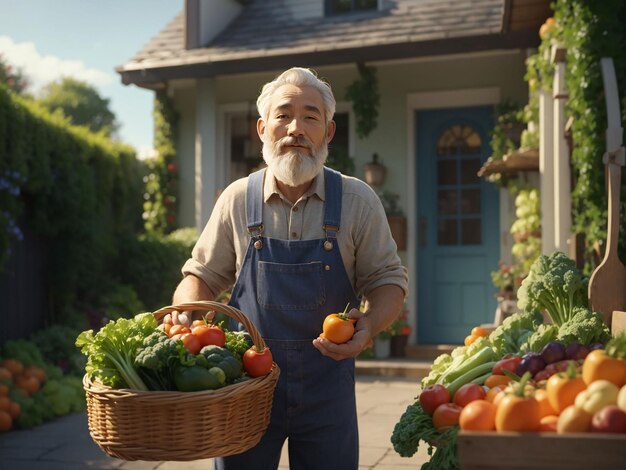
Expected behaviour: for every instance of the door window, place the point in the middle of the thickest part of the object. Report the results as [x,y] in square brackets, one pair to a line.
[458,186]
[245,145]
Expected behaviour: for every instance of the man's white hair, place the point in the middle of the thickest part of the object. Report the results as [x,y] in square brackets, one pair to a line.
[297,76]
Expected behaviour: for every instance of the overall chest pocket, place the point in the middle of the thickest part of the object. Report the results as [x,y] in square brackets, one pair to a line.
[290,286]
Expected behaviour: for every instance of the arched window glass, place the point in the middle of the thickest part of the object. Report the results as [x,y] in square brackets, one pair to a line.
[458,186]
[458,138]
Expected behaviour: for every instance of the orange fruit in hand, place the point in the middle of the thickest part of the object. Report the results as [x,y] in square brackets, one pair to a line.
[338,328]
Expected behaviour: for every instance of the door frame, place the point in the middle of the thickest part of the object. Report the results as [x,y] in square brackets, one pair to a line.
[459,98]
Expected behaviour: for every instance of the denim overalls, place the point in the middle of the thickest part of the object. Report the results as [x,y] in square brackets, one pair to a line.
[287,288]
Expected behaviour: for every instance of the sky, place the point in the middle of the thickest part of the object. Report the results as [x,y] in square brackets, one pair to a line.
[87,40]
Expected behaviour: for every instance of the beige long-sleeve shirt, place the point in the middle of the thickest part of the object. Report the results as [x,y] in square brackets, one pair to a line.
[367,248]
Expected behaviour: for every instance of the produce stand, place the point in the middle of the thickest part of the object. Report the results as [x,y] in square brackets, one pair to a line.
[511,450]
[546,451]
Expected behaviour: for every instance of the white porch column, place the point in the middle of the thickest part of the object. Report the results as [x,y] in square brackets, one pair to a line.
[205,151]
[546,170]
[562,177]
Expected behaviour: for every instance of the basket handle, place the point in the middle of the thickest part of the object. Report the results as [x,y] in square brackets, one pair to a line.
[228,310]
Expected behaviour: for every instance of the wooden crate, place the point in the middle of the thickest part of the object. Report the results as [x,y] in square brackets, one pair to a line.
[511,450]
[547,451]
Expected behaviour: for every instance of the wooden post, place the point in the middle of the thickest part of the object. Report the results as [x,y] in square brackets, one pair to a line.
[562,189]
[546,170]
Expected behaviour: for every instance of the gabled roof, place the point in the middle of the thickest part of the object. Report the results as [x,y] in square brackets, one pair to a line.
[266,37]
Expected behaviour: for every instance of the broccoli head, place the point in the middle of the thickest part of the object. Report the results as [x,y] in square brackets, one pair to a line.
[555,285]
[514,331]
[542,336]
[222,358]
[585,327]
[155,358]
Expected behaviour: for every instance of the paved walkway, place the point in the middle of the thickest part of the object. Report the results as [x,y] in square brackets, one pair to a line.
[65,444]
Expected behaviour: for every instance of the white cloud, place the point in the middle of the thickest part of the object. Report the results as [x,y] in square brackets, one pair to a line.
[43,69]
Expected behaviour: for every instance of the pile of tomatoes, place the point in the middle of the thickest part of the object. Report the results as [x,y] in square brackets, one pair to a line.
[201,333]
[446,411]
[196,336]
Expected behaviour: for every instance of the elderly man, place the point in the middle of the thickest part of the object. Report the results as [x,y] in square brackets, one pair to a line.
[299,241]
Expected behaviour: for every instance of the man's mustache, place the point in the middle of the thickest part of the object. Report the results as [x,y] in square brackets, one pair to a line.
[300,141]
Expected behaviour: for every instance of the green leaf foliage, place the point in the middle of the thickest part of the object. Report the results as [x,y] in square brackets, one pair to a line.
[78,192]
[81,104]
[589,30]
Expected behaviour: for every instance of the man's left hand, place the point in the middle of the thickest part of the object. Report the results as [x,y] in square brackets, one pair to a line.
[362,339]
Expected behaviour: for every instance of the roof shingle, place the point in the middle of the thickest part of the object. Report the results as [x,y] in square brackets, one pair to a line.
[266,29]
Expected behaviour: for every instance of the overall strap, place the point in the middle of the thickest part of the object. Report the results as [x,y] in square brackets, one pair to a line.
[254,203]
[332,207]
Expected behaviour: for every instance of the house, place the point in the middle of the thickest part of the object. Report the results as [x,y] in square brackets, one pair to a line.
[440,66]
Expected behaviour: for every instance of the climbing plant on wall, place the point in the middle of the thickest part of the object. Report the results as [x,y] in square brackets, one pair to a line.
[365,98]
[161,182]
[589,30]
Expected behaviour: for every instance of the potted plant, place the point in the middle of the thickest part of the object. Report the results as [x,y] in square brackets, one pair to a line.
[382,344]
[400,331]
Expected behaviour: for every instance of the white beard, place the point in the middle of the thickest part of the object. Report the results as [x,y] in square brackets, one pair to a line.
[295,167]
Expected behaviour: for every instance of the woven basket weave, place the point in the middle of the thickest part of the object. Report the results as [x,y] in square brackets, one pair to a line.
[138,425]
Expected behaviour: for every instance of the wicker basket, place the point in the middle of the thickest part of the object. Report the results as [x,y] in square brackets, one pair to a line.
[138,425]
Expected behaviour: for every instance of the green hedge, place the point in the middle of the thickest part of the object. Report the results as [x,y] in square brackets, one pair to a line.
[153,266]
[81,192]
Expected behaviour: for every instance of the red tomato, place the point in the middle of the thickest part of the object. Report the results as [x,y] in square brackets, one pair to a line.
[508,363]
[468,393]
[192,343]
[209,335]
[446,415]
[257,363]
[433,396]
[178,330]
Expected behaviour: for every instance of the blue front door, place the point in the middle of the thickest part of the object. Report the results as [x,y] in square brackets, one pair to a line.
[458,224]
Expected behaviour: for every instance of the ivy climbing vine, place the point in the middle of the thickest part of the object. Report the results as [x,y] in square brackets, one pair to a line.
[161,182]
[589,30]
[365,98]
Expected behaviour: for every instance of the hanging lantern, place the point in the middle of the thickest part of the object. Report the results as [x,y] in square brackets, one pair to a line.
[375,172]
